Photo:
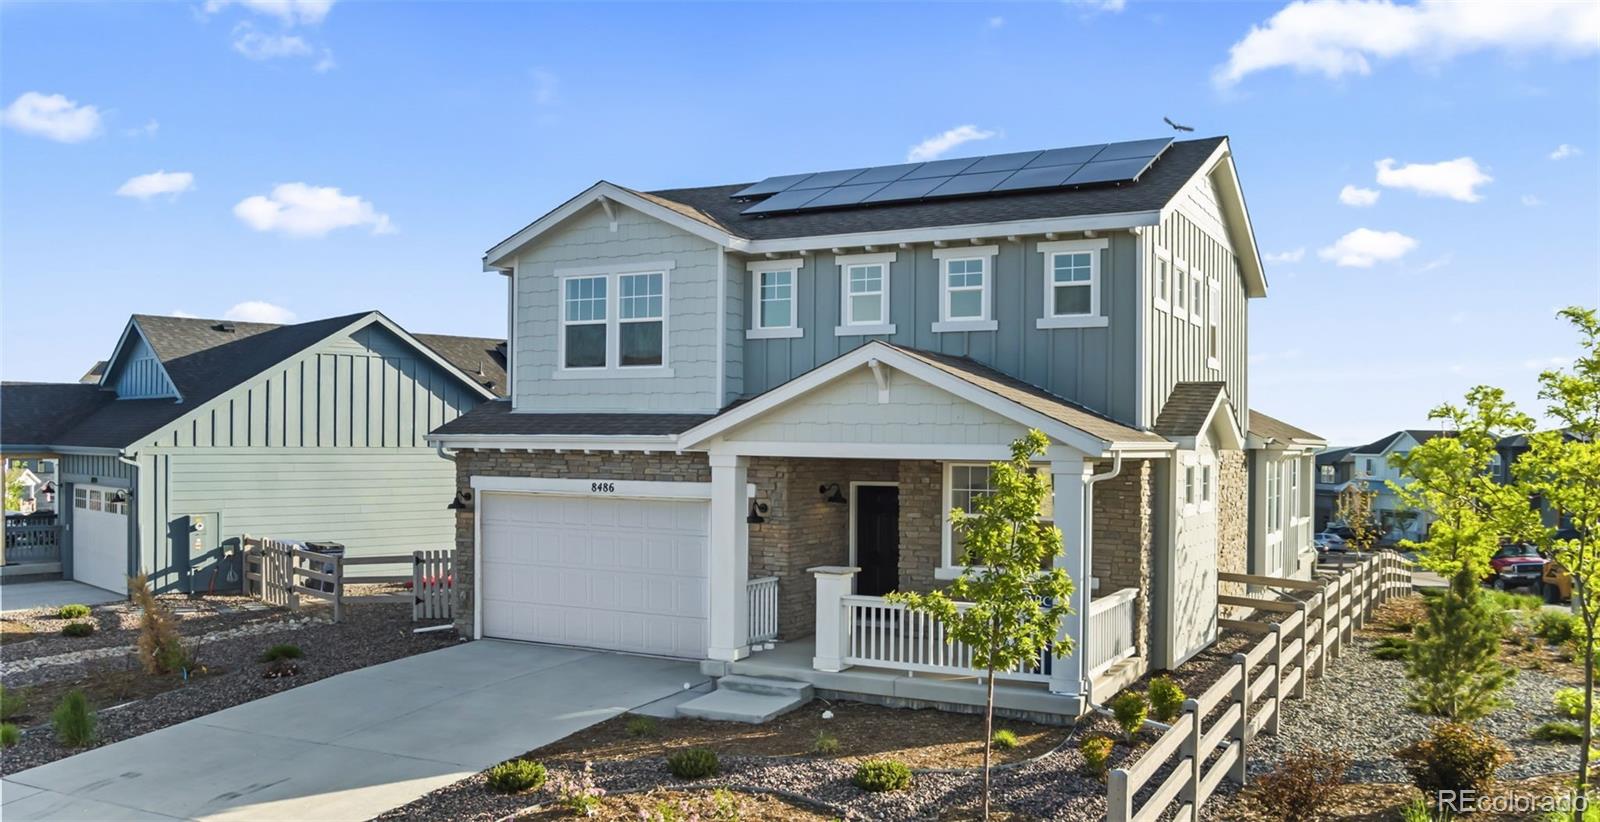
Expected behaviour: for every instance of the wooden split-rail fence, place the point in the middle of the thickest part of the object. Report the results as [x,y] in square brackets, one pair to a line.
[1211,739]
[280,572]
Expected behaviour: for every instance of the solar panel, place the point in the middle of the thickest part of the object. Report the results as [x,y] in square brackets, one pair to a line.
[967,176]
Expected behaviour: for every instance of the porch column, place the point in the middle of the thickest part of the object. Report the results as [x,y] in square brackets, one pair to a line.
[834,582]
[730,559]
[1069,479]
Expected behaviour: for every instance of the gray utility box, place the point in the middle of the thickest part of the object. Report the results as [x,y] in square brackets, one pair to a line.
[332,549]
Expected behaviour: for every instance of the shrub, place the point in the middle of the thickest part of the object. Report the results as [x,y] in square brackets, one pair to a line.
[1096,752]
[1303,784]
[577,792]
[1005,739]
[10,704]
[9,734]
[1393,648]
[73,611]
[280,652]
[643,726]
[1507,601]
[1569,701]
[1417,811]
[826,744]
[693,763]
[1130,709]
[73,720]
[879,775]
[1166,698]
[160,649]
[1558,732]
[78,629]
[1454,667]
[1456,757]
[516,776]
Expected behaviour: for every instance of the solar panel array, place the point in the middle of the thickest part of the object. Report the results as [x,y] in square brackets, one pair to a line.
[1022,171]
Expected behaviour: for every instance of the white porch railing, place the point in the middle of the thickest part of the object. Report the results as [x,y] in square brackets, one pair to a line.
[884,634]
[763,593]
[1112,629]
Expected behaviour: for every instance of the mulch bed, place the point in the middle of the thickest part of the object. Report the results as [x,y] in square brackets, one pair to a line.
[131,702]
[37,632]
[1507,801]
[687,804]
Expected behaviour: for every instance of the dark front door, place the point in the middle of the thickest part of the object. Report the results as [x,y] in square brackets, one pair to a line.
[877,539]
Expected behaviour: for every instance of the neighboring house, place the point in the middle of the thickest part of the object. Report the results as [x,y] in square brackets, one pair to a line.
[733,408]
[1369,465]
[1282,477]
[199,431]
[38,478]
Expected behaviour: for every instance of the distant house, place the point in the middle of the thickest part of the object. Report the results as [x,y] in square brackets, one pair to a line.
[35,496]
[1369,464]
[1282,461]
[199,431]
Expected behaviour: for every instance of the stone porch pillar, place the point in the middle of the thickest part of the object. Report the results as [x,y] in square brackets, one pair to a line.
[1070,481]
[730,559]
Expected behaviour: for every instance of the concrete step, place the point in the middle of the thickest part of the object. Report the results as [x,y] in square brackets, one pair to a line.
[740,706]
[772,686]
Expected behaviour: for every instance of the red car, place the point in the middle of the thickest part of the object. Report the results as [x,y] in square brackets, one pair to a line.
[1516,566]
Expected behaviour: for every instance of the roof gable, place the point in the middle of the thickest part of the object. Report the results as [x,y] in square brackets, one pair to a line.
[135,370]
[1193,409]
[1271,429]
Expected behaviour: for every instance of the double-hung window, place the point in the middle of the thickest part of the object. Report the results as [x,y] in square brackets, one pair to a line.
[1205,482]
[1163,279]
[613,322]
[1214,326]
[965,289]
[1294,491]
[1180,290]
[773,310]
[964,485]
[584,326]
[1188,485]
[641,330]
[1274,496]
[864,287]
[1072,284]
[1197,296]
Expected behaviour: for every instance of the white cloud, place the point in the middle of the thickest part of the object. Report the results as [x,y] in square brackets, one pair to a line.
[155,183]
[1363,247]
[53,117]
[1565,151]
[934,147]
[257,311]
[1457,179]
[1099,5]
[1435,263]
[997,22]
[178,312]
[1531,201]
[301,210]
[1294,256]
[258,45]
[1358,197]
[1339,37]
[325,62]
[149,129]
[290,12]
[546,85]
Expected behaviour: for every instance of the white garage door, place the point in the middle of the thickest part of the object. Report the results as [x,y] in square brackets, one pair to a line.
[617,574]
[99,538]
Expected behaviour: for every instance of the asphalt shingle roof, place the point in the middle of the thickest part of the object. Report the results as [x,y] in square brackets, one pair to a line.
[35,413]
[1188,407]
[495,417]
[1273,428]
[482,358]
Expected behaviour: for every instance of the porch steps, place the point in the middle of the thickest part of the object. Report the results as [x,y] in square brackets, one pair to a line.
[748,699]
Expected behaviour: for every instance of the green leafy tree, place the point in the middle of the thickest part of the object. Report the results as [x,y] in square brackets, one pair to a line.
[14,489]
[1454,666]
[1353,506]
[1015,607]
[1562,468]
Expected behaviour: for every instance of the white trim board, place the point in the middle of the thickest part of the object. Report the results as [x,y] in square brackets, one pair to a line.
[599,488]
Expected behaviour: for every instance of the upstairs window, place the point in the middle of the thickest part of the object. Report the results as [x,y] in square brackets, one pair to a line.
[640,319]
[584,322]
[1072,284]
[775,299]
[1163,280]
[965,297]
[867,288]
[1214,326]
[1294,491]
[1180,291]
[1326,473]
[1197,296]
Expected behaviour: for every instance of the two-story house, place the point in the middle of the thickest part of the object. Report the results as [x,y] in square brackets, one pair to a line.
[741,413]
[1368,465]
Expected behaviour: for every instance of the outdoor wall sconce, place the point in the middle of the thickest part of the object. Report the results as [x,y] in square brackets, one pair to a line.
[461,502]
[831,493]
[49,491]
[120,496]
[756,510]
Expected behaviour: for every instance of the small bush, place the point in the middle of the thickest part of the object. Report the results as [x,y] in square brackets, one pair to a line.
[73,611]
[77,629]
[10,704]
[280,652]
[1302,786]
[1558,732]
[826,744]
[1166,698]
[1507,601]
[1456,757]
[9,734]
[1005,739]
[73,720]
[161,650]
[516,776]
[1392,648]
[879,775]
[1096,752]
[643,726]
[576,791]
[1569,701]
[1130,709]
[1556,627]
[1417,811]
[693,763]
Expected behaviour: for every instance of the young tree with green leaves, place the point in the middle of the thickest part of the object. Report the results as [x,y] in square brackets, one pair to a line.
[1353,506]
[14,489]
[1562,467]
[1455,666]
[1015,608]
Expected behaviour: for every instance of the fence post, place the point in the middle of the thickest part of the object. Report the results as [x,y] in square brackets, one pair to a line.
[1335,599]
[1305,652]
[1196,764]
[1275,659]
[293,565]
[1241,731]
[1359,618]
[338,587]
[1119,800]
[416,586]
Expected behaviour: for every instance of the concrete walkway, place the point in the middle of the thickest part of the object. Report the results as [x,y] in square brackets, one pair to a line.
[351,746]
[21,596]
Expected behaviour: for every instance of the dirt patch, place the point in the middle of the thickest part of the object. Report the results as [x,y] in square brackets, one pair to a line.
[1520,649]
[921,739]
[666,804]
[1383,801]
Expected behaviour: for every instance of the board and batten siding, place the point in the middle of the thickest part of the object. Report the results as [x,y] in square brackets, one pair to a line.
[1095,367]
[587,242]
[139,375]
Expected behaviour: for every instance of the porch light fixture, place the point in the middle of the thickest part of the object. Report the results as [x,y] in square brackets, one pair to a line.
[462,501]
[120,496]
[48,490]
[831,493]
[756,510]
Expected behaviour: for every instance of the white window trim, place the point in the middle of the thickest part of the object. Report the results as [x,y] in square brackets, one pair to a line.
[1196,312]
[1180,278]
[947,568]
[1161,299]
[1214,321]
[985,321]
[1206,483]
[1190,506]
[613,369]
[845,263]
[1095,318]
[757,331]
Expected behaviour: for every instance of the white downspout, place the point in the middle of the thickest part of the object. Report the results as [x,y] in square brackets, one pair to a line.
[1088,530]
[133,511]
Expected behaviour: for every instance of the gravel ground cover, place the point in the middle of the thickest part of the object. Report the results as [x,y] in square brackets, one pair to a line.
[130,703]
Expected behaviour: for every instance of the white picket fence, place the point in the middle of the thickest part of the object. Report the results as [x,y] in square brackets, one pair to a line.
[884,634]
[280,572]
[763,594]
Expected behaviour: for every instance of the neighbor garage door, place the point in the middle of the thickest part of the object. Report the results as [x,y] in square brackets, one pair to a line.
[99,538]
[609,573]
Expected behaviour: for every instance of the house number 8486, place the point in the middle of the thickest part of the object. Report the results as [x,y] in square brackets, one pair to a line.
[603,487]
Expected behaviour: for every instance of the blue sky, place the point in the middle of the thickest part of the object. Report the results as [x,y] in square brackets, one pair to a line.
[446,127]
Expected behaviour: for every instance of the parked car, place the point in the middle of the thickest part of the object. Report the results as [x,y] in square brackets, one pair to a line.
[1516,565]
[1555,584]
[1326,541]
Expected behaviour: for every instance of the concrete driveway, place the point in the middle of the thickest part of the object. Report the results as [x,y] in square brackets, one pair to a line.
[21,596]
[351,746]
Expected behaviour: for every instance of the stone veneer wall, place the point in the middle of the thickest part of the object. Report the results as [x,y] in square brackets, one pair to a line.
[1124,540]
[1233,522]
[921,523]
